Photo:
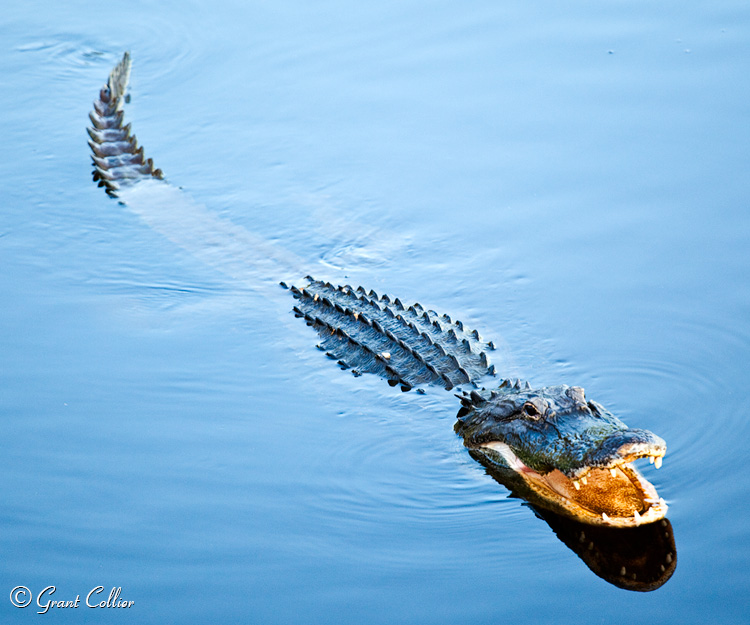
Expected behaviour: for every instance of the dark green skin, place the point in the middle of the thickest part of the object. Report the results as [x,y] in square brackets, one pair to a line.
[553,427]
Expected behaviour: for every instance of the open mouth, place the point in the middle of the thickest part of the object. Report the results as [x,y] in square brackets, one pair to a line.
[615,495]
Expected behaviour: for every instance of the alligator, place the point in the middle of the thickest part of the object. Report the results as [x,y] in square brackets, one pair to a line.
[573,457]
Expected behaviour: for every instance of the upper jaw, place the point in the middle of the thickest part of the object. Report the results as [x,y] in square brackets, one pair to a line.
[621,447]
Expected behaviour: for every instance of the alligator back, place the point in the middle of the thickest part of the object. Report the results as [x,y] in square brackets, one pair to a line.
[409,346]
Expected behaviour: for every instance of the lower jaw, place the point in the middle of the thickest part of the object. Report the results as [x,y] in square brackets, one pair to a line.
[550,492]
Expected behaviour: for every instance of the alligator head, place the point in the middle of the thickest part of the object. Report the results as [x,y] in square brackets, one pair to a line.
[572,453]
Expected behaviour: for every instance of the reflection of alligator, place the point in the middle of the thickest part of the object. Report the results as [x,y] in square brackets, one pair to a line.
[636,558]
[573,456]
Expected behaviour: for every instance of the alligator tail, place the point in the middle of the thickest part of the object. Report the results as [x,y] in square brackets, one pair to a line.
[118,161]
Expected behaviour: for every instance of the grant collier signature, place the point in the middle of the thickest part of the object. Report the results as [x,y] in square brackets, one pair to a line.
[22,597]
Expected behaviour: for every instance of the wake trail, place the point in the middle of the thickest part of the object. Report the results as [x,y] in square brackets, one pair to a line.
[239,254]
[121,168]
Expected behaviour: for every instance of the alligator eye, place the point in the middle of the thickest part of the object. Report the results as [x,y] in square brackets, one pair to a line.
[530,410]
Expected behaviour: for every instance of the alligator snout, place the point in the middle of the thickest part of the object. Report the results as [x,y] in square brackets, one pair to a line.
[626,446]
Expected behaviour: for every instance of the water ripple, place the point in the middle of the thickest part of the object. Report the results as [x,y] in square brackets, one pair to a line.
[161,38]
[692,401]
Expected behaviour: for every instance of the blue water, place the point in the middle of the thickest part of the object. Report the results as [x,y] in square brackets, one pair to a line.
[571,180]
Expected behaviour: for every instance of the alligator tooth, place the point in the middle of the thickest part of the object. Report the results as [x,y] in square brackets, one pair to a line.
[315,299]
[662,503]
[651,459]
[637,517]
[613,472]
[577,484]
[605,518]
[585,480]
[657,462]
[386,355]
[356,316]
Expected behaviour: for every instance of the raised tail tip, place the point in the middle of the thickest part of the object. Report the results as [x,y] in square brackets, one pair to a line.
[119,77]
[118,160]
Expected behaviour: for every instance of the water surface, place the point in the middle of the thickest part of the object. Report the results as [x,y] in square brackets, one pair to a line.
[569,180]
